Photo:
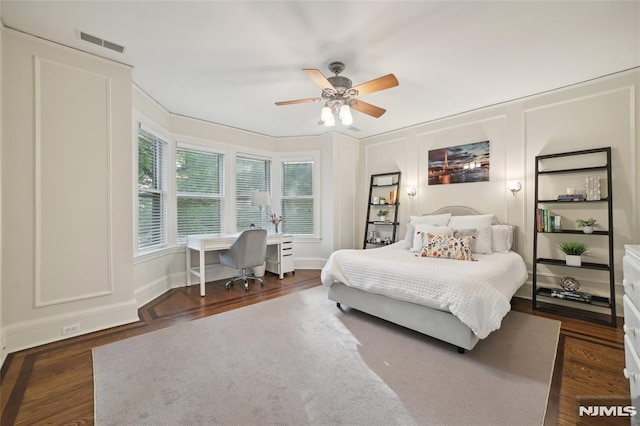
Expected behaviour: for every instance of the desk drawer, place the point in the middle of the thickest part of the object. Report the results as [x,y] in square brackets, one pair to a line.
[287,265]
[287,245]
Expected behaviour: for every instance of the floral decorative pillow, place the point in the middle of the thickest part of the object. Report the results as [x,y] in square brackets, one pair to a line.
[421,233]
[448,247]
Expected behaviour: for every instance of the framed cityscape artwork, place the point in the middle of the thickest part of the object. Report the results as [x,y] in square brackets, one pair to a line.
[459,164]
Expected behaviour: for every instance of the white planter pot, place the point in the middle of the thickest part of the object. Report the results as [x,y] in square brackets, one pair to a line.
[573,260]
[382,218]
[587,229]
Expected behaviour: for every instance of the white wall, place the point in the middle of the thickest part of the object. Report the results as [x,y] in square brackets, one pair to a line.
[598,114]
[66,190]
[3,343]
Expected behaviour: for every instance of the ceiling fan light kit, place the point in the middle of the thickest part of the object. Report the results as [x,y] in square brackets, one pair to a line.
[340,97]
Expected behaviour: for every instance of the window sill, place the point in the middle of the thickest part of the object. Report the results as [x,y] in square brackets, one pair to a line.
[157,253]
[307,239]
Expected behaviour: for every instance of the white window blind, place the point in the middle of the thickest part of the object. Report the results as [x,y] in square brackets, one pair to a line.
[252,174]
[152,226]
[199,192]
[297,197]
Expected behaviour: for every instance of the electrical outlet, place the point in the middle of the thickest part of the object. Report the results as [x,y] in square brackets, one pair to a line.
[69,329]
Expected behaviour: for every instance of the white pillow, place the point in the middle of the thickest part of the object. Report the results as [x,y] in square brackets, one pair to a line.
[470,221]
[431,219]
[408,237]
[501,238]
[481,243]
[421,231]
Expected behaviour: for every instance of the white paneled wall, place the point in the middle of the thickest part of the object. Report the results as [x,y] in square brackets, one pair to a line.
[596,114]
[3,342]
[67,186]
[72,184]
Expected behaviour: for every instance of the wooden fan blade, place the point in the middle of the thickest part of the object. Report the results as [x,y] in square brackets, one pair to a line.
[298,101]
[319,79]
[378,84]
[368,109]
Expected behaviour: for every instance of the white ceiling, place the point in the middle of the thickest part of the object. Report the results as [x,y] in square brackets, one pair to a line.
[227,62]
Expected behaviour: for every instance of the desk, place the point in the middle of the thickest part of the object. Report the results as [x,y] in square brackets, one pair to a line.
[280,262]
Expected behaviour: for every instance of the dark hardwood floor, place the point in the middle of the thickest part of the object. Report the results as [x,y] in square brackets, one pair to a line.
[53,384]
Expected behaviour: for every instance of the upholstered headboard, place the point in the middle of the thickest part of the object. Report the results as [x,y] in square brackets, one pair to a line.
[462,211]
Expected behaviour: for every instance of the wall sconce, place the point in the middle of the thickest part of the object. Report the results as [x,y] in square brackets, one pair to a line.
[514,186]
[411,191]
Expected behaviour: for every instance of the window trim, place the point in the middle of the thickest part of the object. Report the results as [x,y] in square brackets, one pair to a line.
[270,184]
[163,192]
[305,156]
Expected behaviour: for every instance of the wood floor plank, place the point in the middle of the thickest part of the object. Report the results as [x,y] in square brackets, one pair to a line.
[53,384]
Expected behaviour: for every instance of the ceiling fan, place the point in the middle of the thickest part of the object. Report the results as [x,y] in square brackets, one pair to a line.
[340,97]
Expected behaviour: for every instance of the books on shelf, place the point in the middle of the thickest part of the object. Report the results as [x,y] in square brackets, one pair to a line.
[547,222]
[572,197]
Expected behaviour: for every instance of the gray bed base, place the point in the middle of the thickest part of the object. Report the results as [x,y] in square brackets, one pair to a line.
[432,322]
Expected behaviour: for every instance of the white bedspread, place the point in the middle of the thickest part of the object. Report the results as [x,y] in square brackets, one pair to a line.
[478,293]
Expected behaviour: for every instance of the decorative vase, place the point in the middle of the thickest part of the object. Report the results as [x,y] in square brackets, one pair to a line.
[276,225]
[587,229]
[573,260]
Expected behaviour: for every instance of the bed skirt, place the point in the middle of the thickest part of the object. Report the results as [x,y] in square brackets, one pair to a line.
[432,322]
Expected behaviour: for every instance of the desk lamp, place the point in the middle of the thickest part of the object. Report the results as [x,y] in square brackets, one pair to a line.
[260,199]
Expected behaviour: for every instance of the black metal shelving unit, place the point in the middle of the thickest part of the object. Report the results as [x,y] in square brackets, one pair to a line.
[542,296]
[380,186]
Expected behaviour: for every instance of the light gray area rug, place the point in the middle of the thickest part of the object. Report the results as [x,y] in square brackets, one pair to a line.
[298,360]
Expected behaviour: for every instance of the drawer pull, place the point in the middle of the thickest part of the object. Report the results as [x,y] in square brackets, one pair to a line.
[628,284]
[629,374]
[629,330]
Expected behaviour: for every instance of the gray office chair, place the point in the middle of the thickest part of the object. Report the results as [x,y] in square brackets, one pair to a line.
[249,250]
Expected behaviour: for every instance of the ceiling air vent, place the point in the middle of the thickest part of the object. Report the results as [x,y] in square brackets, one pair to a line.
[100,42]
[353,129]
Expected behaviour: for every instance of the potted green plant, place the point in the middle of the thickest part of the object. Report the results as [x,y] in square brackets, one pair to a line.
[587,225]
[382,215]
[573,252]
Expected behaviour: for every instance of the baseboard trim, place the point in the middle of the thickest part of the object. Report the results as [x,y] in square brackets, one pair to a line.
[3,347]
[28,334]
[150,291]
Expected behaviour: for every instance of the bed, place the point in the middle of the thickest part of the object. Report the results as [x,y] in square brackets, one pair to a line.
[456,301]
